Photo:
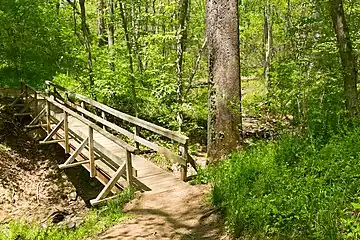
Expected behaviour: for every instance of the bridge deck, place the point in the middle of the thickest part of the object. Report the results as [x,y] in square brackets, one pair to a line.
[151,177]
[115,163]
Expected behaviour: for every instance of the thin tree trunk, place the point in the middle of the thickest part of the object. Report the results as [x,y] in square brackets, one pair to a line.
[101,23]
[86,34]
[348,60]
[267,43]
[224,120]
[111,39]
[131,61]
[181,39]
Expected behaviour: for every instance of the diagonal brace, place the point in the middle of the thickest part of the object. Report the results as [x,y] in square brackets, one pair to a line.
[53,132]
[37,118]
[77,152]
[106,190]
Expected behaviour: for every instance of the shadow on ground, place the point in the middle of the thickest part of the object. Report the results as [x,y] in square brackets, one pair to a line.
[18,148]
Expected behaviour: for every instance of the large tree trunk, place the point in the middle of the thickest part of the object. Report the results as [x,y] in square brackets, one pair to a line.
[111,38]
[224,120]
[101,23]
[181,39]
[86,34]
[348,60]
[267,43]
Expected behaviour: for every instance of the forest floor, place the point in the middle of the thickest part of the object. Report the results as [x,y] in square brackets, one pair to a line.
[181,214]
[32,187]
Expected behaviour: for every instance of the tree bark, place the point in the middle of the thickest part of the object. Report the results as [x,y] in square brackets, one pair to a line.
[111,39]
[181,39]
[101,23]
[86,33]
[224,101]
[267,43]
[348,60]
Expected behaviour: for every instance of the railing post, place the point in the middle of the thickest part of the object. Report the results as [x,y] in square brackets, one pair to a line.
[66,132]
[82,104]
[129,169]
[137,132]
[103,115]
[54,95]
[91,153]
[48,126]
[36,103]
[183,152]
[26,94]
[22,86]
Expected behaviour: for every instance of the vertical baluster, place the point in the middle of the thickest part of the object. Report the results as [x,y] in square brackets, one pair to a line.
[66,132]
[129,168]
[91,153]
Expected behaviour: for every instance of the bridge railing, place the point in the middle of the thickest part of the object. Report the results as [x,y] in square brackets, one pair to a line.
[183,157]
[33,100]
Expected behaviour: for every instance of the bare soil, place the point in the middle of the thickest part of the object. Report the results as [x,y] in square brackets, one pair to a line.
[177,214]
[31,185]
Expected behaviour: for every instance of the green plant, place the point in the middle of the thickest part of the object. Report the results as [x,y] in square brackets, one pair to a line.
[96,220]
[294,188]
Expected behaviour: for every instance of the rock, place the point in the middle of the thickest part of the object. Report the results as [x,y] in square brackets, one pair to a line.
[57,217]
[75,222]
[37,134]
[73,196]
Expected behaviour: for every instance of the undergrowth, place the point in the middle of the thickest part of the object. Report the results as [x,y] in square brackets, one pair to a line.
[294,188]
[96,221]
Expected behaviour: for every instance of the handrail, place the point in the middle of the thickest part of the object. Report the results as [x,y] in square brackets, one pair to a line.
[94,126]
[131,119]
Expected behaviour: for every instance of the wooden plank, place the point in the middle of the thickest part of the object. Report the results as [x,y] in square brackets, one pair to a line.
[35,126]
[23,114]
[52,141]
[63,166]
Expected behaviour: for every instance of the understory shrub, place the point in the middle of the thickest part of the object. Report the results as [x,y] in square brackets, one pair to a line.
[291,189]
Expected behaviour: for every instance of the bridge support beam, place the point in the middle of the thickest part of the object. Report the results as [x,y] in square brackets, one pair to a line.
[107,189]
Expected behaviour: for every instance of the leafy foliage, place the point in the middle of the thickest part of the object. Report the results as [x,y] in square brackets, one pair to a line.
[291,189]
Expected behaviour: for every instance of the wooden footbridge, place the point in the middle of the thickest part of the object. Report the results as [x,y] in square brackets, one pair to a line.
[89,133]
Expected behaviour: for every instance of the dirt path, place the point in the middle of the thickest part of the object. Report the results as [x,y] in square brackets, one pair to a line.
[177,214]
